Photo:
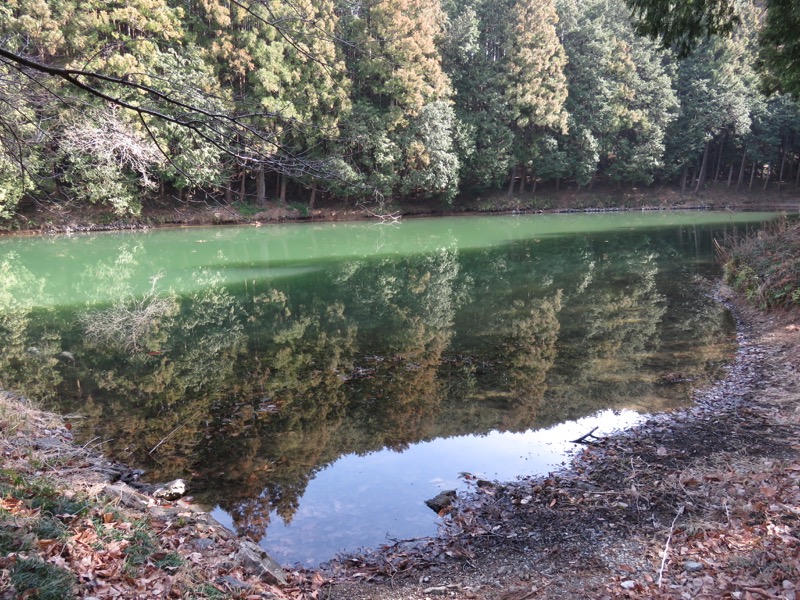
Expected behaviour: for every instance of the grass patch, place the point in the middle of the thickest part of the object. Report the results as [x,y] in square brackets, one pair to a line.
[301,209]
[247,209]
[49,528]
[206,591]
[168,562]
[37,493]
[34,578]
[13,539]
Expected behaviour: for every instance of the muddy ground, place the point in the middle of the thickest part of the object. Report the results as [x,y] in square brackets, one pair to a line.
[698,503]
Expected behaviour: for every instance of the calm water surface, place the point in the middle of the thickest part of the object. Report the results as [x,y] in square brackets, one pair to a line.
[316,383]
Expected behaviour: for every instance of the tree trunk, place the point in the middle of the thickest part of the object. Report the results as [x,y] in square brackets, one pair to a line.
[730,174]
[684,173]
[797,181]
[719,158]
[229,192]
[283,189]
[261,187]
[534,186]
[752,175]
[313,196]
[513,180]
[783,164]
[522,179]
[766,179]
[741,168]
[558,184]
[703,167]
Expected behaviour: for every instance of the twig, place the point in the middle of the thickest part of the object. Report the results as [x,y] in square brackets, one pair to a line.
[666,546]
[583,438]
[169,435]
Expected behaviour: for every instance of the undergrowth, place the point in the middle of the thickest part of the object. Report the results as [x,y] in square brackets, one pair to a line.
[765,267]
[35,515]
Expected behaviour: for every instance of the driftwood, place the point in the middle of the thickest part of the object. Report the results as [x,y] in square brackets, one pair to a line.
[385,218]
[583,438]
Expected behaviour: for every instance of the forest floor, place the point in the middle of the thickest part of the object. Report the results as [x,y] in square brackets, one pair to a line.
[698,503]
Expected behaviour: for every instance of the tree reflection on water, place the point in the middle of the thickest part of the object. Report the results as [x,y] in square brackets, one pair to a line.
[249,389]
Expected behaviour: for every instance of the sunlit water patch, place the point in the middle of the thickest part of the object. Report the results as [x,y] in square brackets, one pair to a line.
[316,383]
[338,504]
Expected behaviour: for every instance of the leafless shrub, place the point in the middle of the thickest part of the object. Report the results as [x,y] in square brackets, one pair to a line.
[132,322]
[110,140]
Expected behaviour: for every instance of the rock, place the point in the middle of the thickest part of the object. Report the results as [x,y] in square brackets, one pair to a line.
[252,557]
[171,491]
[48,443]
[628,585]
[131,475]
[110,472]
[441,501]
[202,543]
[439,590]
[691,566]
[127,496]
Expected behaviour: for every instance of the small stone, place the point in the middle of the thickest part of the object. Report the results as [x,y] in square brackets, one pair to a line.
[441,501]
[203,543]
[126,495]
[691,566]
[253,558]
[627,585]
[439,590]
[172,490]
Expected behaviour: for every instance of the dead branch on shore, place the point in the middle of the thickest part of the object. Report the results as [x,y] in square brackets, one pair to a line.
[583,438]
[666,546]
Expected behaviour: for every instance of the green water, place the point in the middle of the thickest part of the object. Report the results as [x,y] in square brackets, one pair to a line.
[315,383]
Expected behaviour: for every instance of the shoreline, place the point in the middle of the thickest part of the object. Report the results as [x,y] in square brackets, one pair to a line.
[60,219]
[598,529]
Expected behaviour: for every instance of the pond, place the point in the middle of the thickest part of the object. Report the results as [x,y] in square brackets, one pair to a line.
[316,383]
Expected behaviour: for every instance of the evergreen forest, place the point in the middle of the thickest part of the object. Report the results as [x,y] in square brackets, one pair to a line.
[121,103]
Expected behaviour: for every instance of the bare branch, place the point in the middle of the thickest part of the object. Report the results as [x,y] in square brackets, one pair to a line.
[259,146]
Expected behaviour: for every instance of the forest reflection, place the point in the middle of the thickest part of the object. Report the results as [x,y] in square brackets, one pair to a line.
[250,388]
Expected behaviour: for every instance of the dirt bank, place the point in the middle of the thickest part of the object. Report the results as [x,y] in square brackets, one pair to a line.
[697,503]
[70,217]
